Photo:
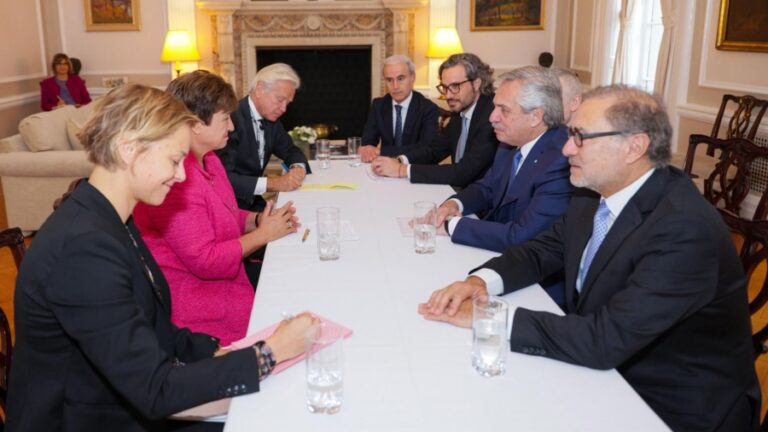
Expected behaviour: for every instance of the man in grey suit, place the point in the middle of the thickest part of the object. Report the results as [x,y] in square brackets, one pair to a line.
[653,284]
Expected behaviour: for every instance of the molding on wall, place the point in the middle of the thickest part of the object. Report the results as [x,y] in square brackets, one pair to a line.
[18,78]
[571,63]
[19,100]
[123,72]
[721,85]
[41,37]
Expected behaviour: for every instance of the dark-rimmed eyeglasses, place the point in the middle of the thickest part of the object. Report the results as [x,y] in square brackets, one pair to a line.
[579,137]
[453,88]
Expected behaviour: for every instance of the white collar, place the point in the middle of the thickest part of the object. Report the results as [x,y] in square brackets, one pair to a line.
[619,200]
[405,103]
[254,112]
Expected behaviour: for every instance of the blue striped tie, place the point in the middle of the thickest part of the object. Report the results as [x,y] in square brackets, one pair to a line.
[599,230]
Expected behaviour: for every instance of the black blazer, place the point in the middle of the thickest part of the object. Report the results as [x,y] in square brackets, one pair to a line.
[478,154]
[664,302]
[241,155]
[95,345]
[419,128]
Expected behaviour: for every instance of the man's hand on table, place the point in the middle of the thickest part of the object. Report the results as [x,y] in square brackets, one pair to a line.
[453,304]
[388,167]
[368,153]
[289,181]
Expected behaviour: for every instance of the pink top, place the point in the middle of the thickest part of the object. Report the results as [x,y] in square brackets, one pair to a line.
[194,235]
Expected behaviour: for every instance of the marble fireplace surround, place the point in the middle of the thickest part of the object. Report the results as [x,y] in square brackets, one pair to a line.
[240,28]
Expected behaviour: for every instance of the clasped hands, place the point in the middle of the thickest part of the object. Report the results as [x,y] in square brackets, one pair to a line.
[277,222]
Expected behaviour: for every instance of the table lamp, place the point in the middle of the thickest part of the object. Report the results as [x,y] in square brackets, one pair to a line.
[444,42]
[178,47]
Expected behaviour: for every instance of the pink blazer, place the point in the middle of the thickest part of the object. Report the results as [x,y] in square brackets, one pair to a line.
[194,235]
[49,92]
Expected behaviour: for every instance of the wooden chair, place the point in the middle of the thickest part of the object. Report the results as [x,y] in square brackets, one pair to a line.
[70,189]
[13,239]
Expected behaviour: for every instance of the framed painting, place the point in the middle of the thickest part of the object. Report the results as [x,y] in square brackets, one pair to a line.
[492,15]
[742,25]
[112,15]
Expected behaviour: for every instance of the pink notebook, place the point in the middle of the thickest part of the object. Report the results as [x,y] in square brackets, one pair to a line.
[267,332]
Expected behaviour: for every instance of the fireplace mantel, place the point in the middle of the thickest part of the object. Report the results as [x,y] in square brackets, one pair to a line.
[239,28]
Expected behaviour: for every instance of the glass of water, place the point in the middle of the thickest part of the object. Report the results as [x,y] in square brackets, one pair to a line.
[424,226]
[325,369]
[323,147]
[489,335]
[353,145]
[328,233]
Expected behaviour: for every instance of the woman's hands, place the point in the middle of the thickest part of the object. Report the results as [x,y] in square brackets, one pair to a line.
[288,339]
[271,224]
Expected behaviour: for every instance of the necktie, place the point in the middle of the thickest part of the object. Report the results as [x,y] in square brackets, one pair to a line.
[462,139]
[515,166]
[399,125]
[258,129]
[599,230]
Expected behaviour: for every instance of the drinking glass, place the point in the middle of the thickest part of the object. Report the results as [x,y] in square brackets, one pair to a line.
[324,153]
[489,335]
[328,233]
[325,368]
[424,226]
[353,145]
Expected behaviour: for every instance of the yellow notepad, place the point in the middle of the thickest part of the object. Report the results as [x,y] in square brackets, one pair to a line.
[328,186]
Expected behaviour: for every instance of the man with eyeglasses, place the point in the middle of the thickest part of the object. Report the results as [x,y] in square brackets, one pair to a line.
[259,134]
[654,287]
[402,119]
[466,82]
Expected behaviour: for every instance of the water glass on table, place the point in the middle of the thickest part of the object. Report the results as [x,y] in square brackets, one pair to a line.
[424,226]
[324,153]
[328,233]
[325,369]
[489,335]
[353,145]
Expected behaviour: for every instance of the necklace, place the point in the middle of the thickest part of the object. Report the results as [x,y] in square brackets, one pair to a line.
[147,271]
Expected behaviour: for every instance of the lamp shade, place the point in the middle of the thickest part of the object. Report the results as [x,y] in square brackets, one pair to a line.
[179,46]
[444,43]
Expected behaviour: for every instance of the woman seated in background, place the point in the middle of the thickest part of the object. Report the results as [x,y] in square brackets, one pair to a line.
[198,235]
[64,87]
[95,347]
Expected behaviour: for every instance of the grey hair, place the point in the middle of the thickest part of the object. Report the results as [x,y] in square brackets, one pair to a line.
[540,89]
[636,111]
[401,59]
[474,67]
[572,86]
[273,73]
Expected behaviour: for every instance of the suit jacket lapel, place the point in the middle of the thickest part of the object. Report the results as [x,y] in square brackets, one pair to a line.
[411,117]
[388,131]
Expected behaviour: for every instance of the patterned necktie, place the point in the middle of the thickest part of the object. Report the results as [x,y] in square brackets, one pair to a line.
[462,139]
[258,129]
[399,125]
[599,230]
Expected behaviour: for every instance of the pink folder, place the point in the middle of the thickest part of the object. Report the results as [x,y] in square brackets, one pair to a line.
[267,332]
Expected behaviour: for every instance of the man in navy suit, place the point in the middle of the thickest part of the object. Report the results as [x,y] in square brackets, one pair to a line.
[259,134]
[527,188]
[654,286]
[403,119]
[467,84]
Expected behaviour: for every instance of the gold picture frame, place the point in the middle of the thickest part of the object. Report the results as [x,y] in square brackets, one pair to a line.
[112,15]
[493,15]
[741,26]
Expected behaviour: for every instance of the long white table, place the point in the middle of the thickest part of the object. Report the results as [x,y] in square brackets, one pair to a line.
[403,373]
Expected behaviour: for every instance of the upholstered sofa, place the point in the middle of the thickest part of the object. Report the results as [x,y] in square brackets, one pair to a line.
[38,164]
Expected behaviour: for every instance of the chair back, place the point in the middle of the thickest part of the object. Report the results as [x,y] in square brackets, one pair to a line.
[13,239]
[748,112]
[72,186]
[733,176]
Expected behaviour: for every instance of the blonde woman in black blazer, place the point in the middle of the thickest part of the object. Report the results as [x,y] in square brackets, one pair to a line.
[95,346]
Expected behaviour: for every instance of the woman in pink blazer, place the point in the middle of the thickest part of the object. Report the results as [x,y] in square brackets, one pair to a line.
[198,235]
[64,87]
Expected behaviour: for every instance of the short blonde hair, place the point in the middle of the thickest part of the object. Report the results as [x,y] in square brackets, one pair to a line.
[275,72]
[132,113]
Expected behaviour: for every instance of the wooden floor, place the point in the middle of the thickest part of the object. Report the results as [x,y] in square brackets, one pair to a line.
[8,278]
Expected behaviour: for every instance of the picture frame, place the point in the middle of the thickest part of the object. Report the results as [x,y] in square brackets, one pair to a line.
[741,26]
[494,15]
[112,15]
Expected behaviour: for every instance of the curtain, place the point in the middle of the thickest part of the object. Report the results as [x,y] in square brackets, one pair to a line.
[621,64]
[666,49]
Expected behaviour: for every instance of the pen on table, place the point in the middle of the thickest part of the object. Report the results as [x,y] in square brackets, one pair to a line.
[306,234]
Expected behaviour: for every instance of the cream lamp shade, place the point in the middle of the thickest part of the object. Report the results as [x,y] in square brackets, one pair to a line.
[444,43]
[179,47]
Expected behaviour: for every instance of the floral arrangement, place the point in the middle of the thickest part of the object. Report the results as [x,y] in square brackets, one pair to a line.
[304,134]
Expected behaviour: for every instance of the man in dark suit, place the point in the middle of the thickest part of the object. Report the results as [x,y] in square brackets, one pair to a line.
[259,134]
[401,120]
[654,286]
[468,139]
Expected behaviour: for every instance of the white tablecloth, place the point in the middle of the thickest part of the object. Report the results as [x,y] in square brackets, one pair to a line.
[403,373]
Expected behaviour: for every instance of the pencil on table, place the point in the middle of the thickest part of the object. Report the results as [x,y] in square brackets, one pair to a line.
[306,234]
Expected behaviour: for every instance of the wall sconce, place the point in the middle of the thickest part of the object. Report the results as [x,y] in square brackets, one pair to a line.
[179,47]
[444,42]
